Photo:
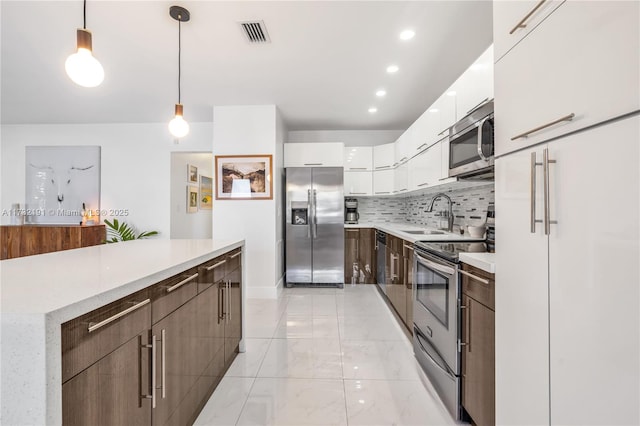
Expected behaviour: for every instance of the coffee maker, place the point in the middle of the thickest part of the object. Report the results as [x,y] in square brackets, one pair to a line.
[351,214]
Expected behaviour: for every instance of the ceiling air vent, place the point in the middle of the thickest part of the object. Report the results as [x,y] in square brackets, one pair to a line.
[255,31]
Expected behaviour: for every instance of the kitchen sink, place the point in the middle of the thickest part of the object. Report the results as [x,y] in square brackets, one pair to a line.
[424,232]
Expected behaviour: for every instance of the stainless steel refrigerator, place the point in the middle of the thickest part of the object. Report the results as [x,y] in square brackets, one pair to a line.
[315,226]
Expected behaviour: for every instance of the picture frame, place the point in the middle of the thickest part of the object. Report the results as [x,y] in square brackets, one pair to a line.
[192,173]
[206,192]
[192,199]
[244,177]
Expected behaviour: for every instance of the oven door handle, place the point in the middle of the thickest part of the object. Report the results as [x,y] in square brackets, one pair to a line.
[433,265]
[442,365]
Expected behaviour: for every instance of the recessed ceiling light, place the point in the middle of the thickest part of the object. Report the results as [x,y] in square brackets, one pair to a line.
[451,93]
[381,93]
[434,110]
[392,69]
[407,34]
[373,110]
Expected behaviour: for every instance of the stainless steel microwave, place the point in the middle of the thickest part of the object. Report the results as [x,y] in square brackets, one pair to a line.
[471,144]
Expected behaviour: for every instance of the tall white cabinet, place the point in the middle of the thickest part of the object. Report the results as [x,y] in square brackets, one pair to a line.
[567,222]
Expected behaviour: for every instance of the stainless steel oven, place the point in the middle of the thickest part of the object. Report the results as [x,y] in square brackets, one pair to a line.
[471,144]
[436,324]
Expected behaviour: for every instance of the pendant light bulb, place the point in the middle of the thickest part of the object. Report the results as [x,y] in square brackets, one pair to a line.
[178,126]
[82,68]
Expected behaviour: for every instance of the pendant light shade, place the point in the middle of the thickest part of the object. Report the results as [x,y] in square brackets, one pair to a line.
[178,126]
[82,68]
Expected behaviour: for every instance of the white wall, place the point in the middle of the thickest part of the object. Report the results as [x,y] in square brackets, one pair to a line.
[250,130]
[348,137]
[135,164]
[183,224]
[280,193]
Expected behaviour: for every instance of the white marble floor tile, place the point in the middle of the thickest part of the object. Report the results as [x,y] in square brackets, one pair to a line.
[372,327]
[303,358]
[384,402]
[295,402]
[307,326]
[266,306]
[309,291]
[322,305]
[300,304]
[248,363]
[366,305]
[261,326]
[225,405]
[392,360]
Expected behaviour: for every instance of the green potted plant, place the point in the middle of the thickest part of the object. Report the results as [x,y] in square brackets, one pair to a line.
[121,231]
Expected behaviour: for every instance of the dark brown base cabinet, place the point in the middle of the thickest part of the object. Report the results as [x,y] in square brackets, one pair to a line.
[155,357]
[478,354]
[359,250]
[399,271]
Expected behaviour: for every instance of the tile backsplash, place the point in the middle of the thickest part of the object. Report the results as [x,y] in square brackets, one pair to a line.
[469,207]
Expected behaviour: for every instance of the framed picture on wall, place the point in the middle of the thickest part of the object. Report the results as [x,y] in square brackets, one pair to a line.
[192,199]
[192,173]
[206,192]
[243,177]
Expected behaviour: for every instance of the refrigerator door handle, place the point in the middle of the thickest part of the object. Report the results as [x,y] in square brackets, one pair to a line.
[315,217]
[309,213]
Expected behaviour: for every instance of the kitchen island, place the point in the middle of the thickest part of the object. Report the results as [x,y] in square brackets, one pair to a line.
[41,293]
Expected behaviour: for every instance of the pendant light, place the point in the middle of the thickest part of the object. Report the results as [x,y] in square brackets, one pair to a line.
[178,126]
[82,68]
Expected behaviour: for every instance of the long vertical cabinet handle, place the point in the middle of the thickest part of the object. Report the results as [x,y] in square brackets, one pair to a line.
[547,214]
[534,164]
[151,347]
[228,312]
[163,336]
[309,214]
[315,211]
[220,303]
[154,363]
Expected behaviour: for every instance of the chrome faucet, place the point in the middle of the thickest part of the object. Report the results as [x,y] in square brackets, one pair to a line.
[450,218]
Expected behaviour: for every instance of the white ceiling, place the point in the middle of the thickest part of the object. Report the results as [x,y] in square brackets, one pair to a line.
[322,68]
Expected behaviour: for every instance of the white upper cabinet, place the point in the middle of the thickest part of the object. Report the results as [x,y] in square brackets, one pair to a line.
[358,158]
[475,85]
[383,156]
[425,169]
[402,148]
[358,183]
[578,68]
[513,20]
[423,131]
[383,182]
[328,154]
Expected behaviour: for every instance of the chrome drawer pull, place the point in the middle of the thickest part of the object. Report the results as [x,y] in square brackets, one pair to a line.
[424,144]
[522,24]
[313,164]
[357,168]
[181,283]
[407,247]
[475,277]
[357,193]
[423,184]
[236,255]
[544,126]
[382,167]
[95,326]
[163,336]
[216,265]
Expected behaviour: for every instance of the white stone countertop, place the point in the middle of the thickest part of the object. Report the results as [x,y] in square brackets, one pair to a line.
[484,261]
[39,293]
[398,229]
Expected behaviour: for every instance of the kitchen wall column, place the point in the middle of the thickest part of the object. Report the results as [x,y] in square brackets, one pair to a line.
[256,129]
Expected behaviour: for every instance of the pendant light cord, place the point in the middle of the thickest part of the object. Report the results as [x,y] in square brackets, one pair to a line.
[179,54]
[84,15]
